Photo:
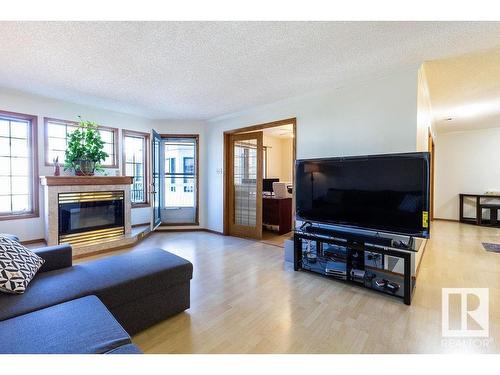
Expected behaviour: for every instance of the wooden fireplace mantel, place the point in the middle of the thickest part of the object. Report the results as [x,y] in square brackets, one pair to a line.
[85,180]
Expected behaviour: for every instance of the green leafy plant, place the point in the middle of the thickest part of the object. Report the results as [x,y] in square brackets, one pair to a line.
[84,153]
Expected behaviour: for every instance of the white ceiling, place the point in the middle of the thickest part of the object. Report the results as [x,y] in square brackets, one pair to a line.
[200,70]
[465,91]
[282,131]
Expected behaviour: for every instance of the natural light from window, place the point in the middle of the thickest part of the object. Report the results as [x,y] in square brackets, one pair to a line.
[180,178]
[57,133]
[15,166]
[135,154]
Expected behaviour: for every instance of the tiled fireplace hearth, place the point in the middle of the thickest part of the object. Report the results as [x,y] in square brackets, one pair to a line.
[90,213]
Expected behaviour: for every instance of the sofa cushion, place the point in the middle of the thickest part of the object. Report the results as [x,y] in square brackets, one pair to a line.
[81,326]
[55,257]
[18,265]
[116,280]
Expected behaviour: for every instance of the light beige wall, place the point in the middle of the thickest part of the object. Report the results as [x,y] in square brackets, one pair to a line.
[279,157]
[287,159]
[273,161]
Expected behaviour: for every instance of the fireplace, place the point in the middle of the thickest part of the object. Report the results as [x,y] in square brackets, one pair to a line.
[92,213]
[90,217]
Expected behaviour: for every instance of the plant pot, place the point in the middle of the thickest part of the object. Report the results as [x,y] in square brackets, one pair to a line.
[84,167]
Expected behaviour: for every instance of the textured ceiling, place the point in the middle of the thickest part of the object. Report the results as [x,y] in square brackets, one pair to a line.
[465,91]
[200,70]
[283,131]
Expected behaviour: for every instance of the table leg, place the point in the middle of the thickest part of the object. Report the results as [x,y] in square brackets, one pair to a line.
[494,216]
[479,212]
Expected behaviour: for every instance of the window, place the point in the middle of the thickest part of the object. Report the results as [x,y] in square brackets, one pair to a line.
[56,140]
[188,167]
[135,146]
[170,169]
[18,166]
[245,162]
[181,171]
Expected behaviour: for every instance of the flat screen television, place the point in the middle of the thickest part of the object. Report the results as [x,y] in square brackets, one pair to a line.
[388,193]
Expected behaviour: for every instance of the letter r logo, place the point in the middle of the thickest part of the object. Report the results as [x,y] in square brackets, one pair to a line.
[472,306]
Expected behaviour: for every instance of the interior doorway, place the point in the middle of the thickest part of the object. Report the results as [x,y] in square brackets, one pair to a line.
[258,186]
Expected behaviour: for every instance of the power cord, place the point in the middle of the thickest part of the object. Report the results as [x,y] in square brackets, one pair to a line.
[305,224]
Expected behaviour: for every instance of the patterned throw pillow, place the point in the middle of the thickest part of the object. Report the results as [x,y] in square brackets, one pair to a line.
[18,265]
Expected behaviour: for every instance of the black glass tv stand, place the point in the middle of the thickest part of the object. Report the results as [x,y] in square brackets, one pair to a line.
[367,261]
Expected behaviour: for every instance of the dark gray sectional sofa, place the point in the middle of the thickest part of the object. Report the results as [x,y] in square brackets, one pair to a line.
[92,307]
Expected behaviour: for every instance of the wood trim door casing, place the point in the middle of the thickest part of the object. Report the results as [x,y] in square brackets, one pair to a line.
[46,121]
[146,137]
[431,147]
[35,190]
[266,125]
[227,156]
[196,137]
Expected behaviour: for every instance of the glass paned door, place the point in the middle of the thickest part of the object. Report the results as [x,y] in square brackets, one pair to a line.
[180,204]
[156,184]
[246,185]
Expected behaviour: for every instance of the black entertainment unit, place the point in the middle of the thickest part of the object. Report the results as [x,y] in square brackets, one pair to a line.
[363,260]
[360,215]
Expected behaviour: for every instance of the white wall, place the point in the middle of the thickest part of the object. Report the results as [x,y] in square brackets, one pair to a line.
[466,162]
[379,116]
[15,101]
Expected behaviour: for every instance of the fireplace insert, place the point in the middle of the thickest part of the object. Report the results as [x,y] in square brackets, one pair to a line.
[90,217]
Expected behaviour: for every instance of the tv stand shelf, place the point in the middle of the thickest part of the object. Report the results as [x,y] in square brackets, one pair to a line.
[357,259]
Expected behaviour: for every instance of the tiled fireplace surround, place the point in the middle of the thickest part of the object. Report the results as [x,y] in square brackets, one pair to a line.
[53,185]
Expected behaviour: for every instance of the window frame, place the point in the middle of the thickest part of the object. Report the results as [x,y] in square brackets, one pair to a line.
[196,138]
[145,137]
[33,145]
[49,163]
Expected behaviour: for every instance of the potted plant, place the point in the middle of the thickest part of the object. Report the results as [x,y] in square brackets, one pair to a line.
[85,149]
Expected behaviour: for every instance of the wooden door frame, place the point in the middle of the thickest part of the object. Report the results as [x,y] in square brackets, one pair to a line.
[227,161]
[431,147]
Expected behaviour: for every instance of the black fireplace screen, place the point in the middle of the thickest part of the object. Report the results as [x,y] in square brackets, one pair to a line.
[83,212]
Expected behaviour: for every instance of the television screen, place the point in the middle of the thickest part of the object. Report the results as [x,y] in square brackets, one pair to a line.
[387,193]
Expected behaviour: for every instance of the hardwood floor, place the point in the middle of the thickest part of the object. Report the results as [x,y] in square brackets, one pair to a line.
[273,238]
[244,299]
